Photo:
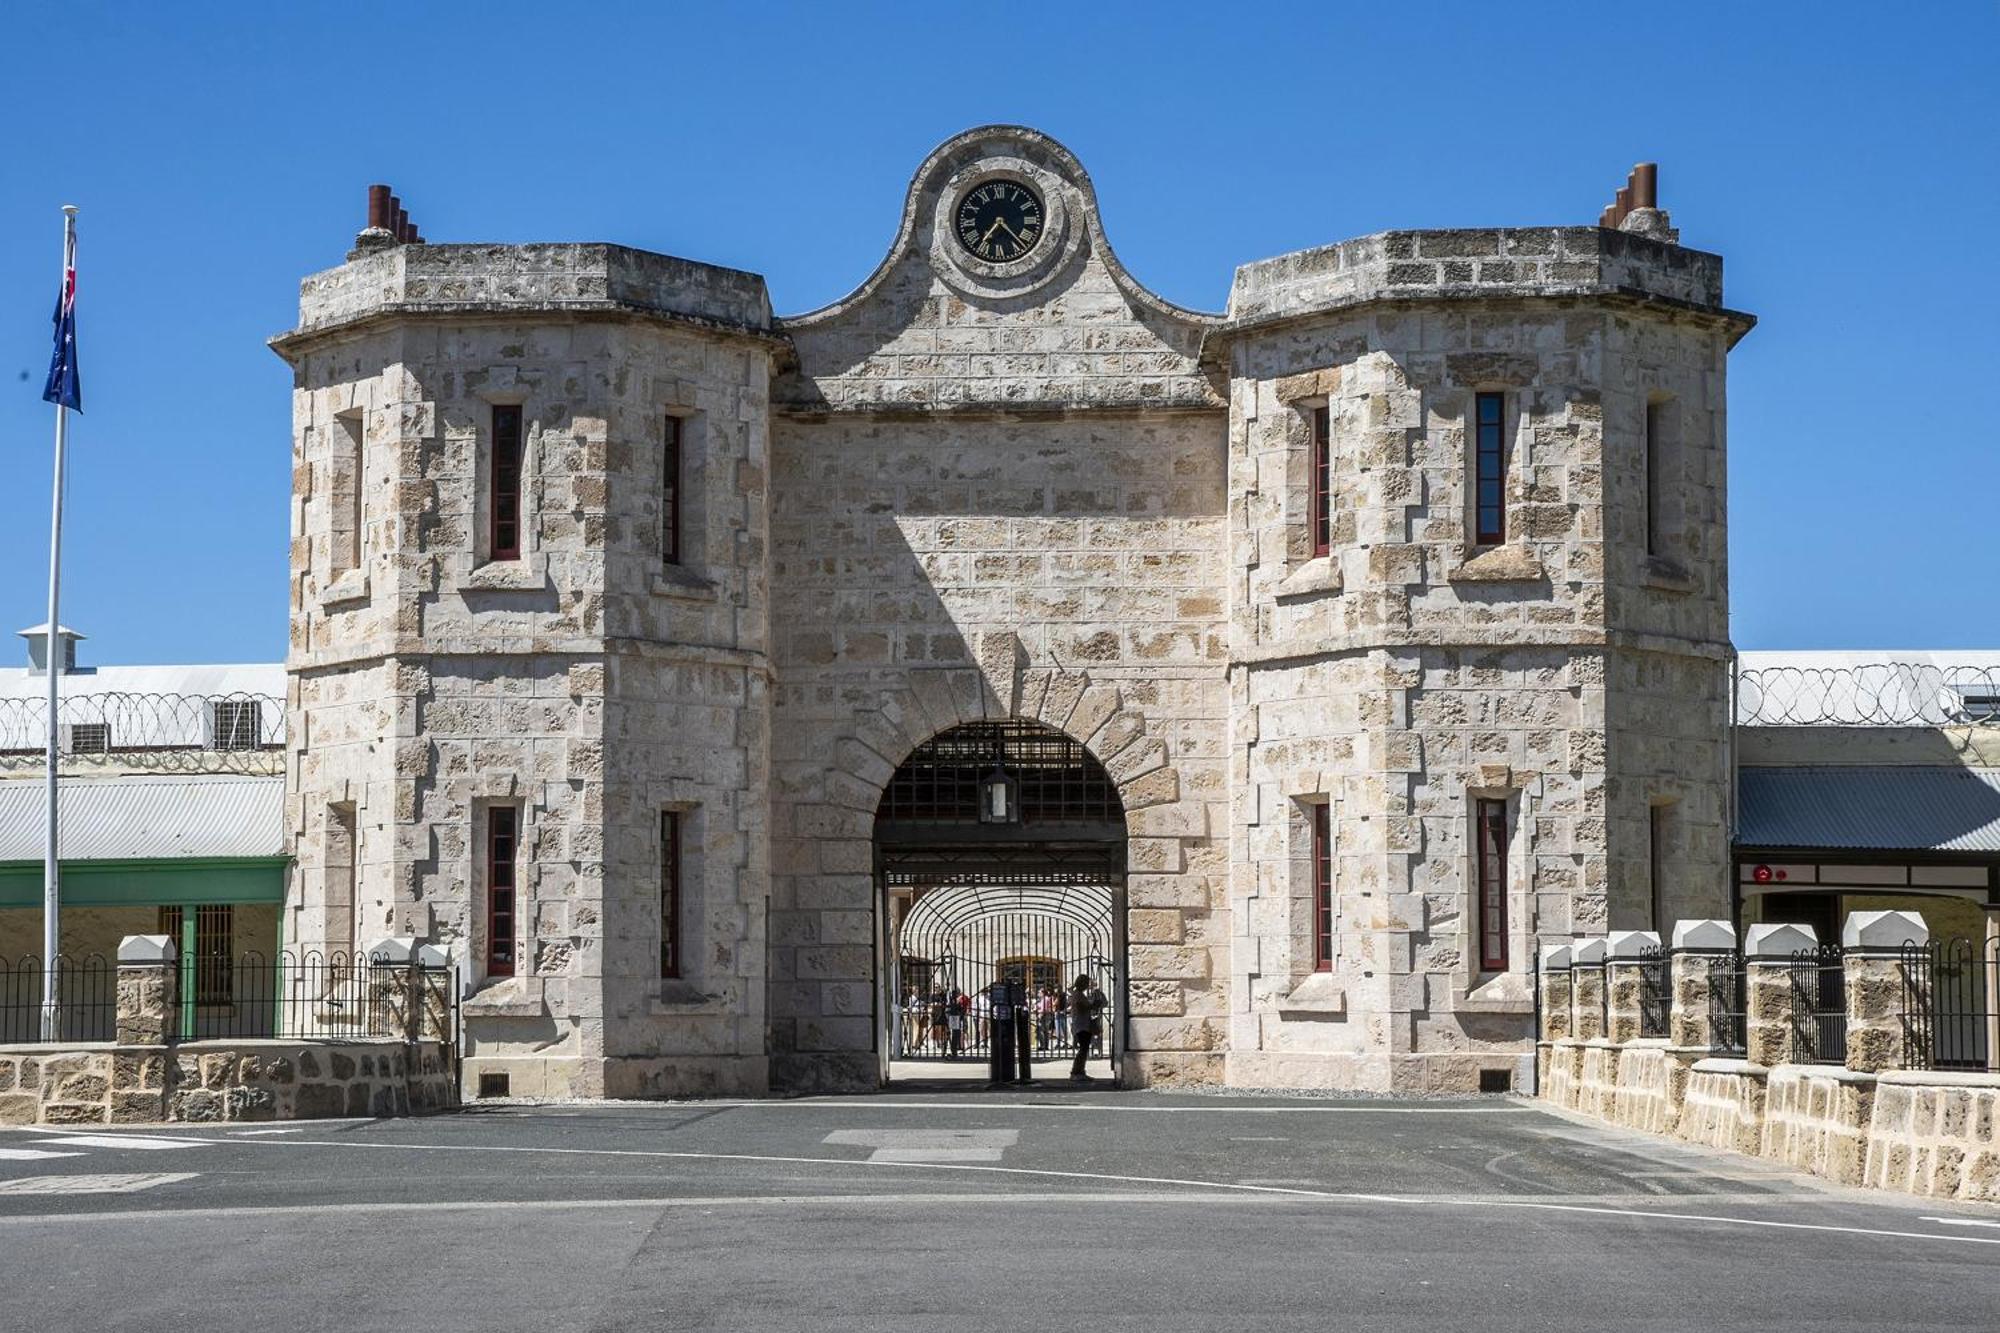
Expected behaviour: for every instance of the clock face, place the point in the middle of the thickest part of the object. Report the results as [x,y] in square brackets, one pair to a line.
[999,220]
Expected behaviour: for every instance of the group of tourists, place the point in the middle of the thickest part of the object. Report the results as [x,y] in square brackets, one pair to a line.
[947,1022]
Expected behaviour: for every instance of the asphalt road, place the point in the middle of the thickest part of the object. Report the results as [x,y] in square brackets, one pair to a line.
[987,1211]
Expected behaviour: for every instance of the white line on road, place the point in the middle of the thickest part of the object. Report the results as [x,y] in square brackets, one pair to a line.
[31,1154]
[976,1106]
[1339,1196]
[139,1141]
[126,1183]
[1962,1222]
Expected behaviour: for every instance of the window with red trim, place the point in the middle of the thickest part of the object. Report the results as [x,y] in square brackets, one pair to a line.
[1490,837]
[670,494]
[1320,507]
[1489,472]
[504,500]
[1322,887]
[670,894]
[502,849]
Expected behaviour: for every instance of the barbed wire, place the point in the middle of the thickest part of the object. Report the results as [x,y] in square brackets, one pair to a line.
[1873,694]
[147,730]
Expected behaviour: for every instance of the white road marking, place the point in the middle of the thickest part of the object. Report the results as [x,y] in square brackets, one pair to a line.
[878,1104]
[1334,1196]
[253,1133]
[139,1141]
[1962,1222]
[928,1145]
[31,1154]
[127,1183]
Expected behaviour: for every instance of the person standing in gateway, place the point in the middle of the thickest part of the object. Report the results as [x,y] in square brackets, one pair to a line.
[1086,1012]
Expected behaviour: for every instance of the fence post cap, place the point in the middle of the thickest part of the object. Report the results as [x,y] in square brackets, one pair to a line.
[1709,934]
[1778,940]
[1555,958]
[1589,953]
[1627,944]
[1883,932]
[145,949]
[392,949]
[434,955]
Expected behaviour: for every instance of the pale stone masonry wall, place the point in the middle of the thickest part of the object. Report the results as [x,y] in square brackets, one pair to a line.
[1921,1131]
[1032,489]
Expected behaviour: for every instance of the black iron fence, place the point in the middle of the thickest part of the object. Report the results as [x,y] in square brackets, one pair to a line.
[1819,1005]
[86,998]
[1656,990]
[293,996]
[1729,994]
[1951,1016]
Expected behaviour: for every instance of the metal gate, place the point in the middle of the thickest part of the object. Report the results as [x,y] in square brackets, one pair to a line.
[955,940]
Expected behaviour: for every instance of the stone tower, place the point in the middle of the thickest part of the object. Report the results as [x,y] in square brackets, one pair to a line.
[1559,660]
[549,676]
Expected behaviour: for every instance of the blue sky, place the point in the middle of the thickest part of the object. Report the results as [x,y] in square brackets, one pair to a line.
[1843,158]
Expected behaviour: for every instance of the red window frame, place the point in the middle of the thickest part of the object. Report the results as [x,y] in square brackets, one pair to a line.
[503,842]
[670,894]
[1320,505]
[1322,887]
[1489,468]
[1490,842]
[670,493]
[504,481]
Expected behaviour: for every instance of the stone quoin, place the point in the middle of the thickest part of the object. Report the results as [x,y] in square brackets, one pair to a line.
[1245,558]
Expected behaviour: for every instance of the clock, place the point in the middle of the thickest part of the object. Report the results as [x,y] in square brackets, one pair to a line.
[999,220]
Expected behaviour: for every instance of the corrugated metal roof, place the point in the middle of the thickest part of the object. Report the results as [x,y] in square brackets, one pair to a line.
[1907,808]
[130,818]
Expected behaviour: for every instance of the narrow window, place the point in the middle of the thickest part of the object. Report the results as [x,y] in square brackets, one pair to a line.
[502,840]
[1320,509]
[1490,833]
[1322,884]
[347,500]
[505,506]
[670,494]
[1656,862]
[1490,469]
[236,724]
[1656,448]
[670,894]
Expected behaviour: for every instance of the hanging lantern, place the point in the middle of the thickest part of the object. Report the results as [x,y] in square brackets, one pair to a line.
[999,795]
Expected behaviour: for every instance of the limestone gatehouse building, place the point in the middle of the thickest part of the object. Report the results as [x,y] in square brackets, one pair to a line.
[1298,668]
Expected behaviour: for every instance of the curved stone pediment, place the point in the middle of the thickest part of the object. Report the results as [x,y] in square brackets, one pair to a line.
[1061,326]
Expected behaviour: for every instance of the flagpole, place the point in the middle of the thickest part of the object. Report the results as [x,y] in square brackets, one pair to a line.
[54,657]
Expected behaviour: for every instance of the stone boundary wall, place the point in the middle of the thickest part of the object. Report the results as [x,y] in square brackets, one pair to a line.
[207,1081]
[1918,1131]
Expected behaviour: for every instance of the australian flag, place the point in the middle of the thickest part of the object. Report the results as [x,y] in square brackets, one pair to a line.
[64,386]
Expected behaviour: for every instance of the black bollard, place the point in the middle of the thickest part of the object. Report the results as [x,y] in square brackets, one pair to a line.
[1000,1059]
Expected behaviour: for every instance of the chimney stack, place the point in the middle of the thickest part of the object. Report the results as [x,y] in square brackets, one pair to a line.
[1636,207]
[388,223]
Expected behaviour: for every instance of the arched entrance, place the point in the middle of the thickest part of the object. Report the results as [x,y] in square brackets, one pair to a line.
[1000,855]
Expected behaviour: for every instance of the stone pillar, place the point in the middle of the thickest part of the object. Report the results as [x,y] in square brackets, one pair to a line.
[1554,978]
[1703,954]
[392,987]
[1629,955]
[1770,1037]
[1587,988]
[1873,943]
[145,990]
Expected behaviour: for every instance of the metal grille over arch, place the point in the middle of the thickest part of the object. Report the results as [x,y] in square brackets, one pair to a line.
[965,901]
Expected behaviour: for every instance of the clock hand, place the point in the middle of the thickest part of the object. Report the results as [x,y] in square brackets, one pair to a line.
[997,222]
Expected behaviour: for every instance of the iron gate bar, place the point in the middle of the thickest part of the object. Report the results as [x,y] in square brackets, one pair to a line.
[1058,779]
